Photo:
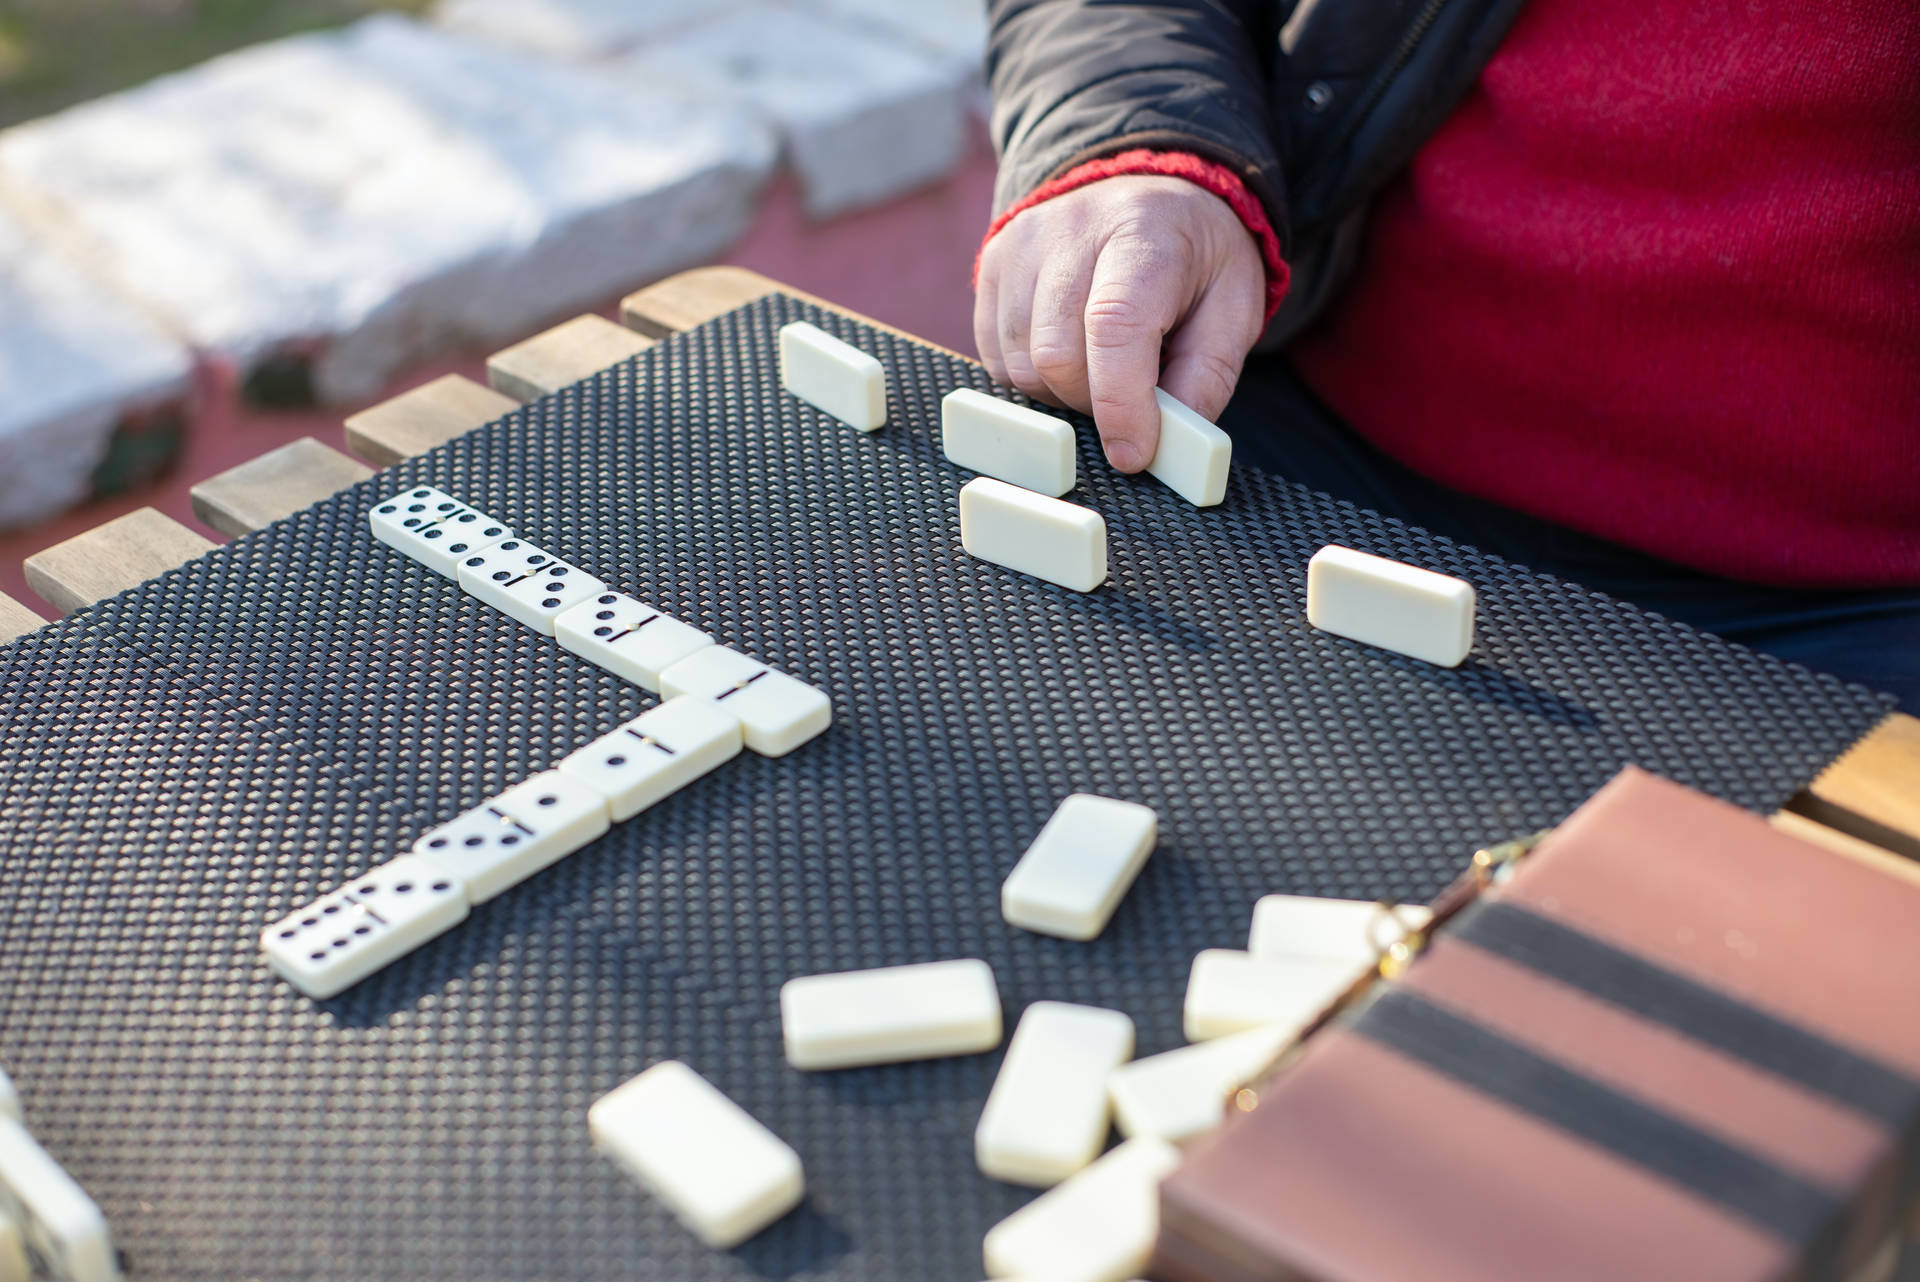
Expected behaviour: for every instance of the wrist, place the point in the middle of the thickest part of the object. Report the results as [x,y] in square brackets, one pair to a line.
[1214,178]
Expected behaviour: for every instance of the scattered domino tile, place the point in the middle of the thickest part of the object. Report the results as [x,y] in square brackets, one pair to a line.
[1077,870]
[56,1216]
[1193,456]
[1395,606]
[1048,538]
[9,1097]
[777,712]
[526,583]
[502,842]
[656,754]
[722,1173]
[1099,1226]
[1231,992]
[15,1266]
[834,377]
[1182,1093]
[857,1017]
[998,438]
[434,528]
[1353,930]
[633,641]
[342,937]
[1047,1115]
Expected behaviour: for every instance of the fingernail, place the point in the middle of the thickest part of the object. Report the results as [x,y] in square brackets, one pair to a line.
[1125,455]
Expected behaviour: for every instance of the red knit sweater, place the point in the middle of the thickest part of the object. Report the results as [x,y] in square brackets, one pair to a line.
[1657,279]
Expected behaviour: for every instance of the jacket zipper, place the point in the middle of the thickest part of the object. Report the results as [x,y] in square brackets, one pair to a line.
[1377,87]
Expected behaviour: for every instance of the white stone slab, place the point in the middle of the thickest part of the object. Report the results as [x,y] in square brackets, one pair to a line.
[1097,1227]
[75,361]
[1347,930]
[1399,607]
[997,438]
[864,115]
[579,30]
[721,1172]
[1179,1094]
[1050,539]
[1047,1115]
[1231,992]
[388,190]
[953,30]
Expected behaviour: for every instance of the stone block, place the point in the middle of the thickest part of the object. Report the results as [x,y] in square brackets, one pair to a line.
[580,30]
[379,193]
[952,30]
[76,365]
[864,116]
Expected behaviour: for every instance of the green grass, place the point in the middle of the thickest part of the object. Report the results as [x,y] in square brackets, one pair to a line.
[54,53]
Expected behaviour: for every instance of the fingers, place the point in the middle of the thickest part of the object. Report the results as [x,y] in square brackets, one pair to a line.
[1016,318]
[1134,299]
[1057,338]
[986,321]
[1205,354]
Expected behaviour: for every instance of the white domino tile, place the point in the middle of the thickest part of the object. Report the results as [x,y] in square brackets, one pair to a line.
[9,1097]
[342,937]
[722,1173]
[15,1266]
[502,842]
[1350,930]
[655,755]
[54,1214]
[997,438]
[1193,456]
[1048,538]
[630,639]
[1075,873]
[777,712]
[1099,1226]
[526,583]
[924,1011]
[1231,992]
[1047,1115]
[434,528]
[1395,606]
[1183,1093]
[834,377]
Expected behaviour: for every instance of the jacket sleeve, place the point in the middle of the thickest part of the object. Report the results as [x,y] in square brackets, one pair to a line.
[1078,80]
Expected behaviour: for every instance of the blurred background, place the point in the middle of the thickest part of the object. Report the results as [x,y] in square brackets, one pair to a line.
[227,224]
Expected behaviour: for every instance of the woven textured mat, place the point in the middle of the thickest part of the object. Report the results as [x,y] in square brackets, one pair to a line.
[198,755]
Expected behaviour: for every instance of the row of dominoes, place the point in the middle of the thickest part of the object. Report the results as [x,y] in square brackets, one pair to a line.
[715,701]
[49,1227]
[1067,1078]
[1012,513]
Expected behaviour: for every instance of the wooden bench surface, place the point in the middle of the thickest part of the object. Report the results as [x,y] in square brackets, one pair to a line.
[1866,804]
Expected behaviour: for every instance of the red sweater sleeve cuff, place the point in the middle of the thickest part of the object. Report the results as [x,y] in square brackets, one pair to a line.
[1216,178]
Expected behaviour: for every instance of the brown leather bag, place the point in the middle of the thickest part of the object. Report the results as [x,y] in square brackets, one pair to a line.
[1673,1043]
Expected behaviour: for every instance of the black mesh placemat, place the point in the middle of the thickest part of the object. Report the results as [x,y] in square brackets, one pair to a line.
[194,757]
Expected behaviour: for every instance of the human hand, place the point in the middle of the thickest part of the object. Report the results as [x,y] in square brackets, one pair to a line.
[1092,298]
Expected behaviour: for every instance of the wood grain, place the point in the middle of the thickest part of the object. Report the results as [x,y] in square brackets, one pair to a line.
[567,353]
[277,484]
[16,620]
[1872,791]
[694,297]
[111,558]
[419,420]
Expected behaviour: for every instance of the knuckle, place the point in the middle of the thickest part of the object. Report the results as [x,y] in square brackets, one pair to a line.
[1054,356]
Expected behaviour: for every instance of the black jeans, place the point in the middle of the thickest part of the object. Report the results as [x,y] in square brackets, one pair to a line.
[1872,637]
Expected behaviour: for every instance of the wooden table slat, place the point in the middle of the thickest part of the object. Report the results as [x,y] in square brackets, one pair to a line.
[1866,852]
[279,483]
[16,620]
[426,417]
[694,297]
[567,353]
[110,558]
[1872,791]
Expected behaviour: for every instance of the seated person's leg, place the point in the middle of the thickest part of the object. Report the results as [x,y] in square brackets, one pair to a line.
[1869,637]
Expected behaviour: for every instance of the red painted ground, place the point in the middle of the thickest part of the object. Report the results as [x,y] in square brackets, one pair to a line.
[907,264]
